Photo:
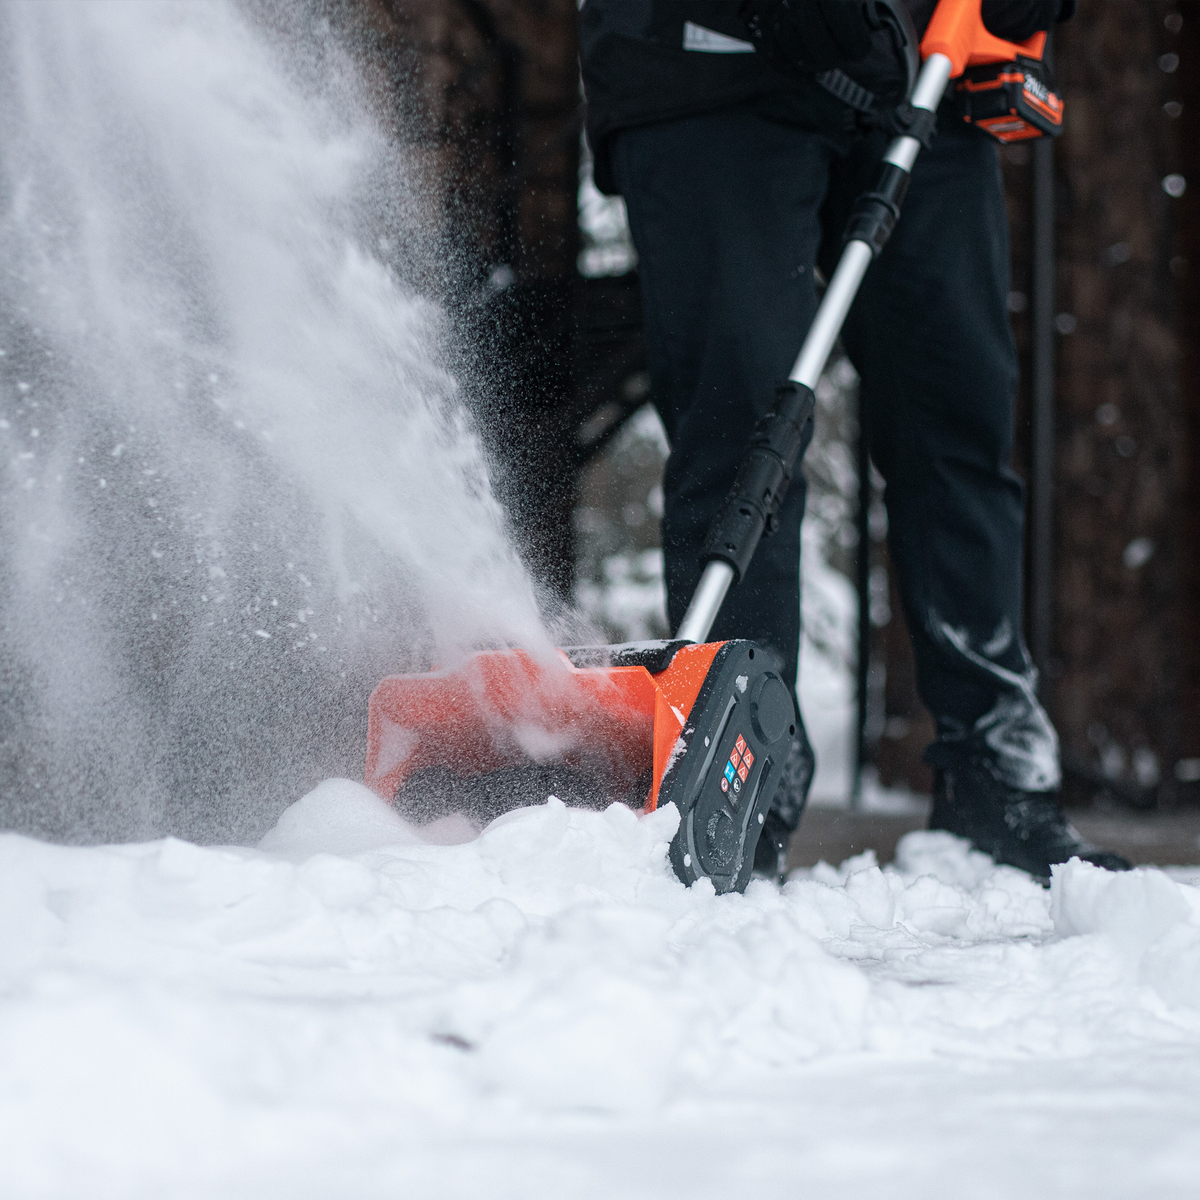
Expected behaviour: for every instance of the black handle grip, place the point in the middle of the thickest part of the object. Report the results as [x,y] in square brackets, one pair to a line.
[762,480]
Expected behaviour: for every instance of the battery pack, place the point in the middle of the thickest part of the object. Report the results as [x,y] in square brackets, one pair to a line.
[1011,101]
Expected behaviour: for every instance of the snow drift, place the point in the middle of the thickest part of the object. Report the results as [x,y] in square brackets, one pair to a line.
[363,1008]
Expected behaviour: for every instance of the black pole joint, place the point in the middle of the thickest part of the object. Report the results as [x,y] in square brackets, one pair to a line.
[875,213]
[752,506]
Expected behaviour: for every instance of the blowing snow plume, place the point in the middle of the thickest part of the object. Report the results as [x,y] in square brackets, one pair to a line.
[238,486]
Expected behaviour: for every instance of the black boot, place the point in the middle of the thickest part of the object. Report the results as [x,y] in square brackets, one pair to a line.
[1023,829]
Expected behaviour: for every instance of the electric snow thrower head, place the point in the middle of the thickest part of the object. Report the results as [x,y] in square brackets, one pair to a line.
[706,726]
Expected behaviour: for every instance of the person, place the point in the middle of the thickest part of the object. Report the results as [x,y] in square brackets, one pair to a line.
[738,163]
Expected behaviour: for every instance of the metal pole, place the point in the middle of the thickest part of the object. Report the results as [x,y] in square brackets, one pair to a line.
[831,315]
[707,599]
[1041,506]
[862,666]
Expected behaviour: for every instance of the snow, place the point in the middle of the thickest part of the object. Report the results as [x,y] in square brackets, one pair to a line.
[828,647]
[361,1008]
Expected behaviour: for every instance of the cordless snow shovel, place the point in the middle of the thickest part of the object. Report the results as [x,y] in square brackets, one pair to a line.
[706,726]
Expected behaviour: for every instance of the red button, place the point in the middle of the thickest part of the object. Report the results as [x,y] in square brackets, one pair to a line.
[743,771]
[740,744]
[749,759]
[724,784]
[733,758]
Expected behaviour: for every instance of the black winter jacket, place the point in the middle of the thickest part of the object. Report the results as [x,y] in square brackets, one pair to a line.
[646,61]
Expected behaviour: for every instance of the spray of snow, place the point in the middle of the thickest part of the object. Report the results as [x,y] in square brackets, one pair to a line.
[237,483]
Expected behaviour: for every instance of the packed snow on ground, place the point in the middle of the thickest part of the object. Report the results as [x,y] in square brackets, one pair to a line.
[356,1008]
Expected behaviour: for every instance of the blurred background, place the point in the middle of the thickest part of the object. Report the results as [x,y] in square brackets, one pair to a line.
[541,274]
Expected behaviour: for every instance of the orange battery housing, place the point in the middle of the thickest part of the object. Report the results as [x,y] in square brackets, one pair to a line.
[1002,87]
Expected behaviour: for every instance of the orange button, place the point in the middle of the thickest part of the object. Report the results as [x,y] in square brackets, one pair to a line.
[743,771]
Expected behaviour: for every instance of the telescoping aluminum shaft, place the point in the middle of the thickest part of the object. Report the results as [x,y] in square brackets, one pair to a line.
[766,470]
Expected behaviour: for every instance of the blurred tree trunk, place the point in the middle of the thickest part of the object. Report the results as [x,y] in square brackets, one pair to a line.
[1123,600]
[1186,261]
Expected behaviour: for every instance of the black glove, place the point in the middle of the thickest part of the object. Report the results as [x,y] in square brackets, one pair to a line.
[1019,20]
[809,36]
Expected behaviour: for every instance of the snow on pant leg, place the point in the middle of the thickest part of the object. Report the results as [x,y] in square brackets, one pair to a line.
[723,209]
[931,339]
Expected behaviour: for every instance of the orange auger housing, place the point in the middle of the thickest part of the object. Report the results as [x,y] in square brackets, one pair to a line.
[1002,87]
[706,727]
[503,708]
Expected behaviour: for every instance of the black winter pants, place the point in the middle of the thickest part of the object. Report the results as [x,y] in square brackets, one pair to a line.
[730,212]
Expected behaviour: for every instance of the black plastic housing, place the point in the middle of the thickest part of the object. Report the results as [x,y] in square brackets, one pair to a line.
[723,796]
